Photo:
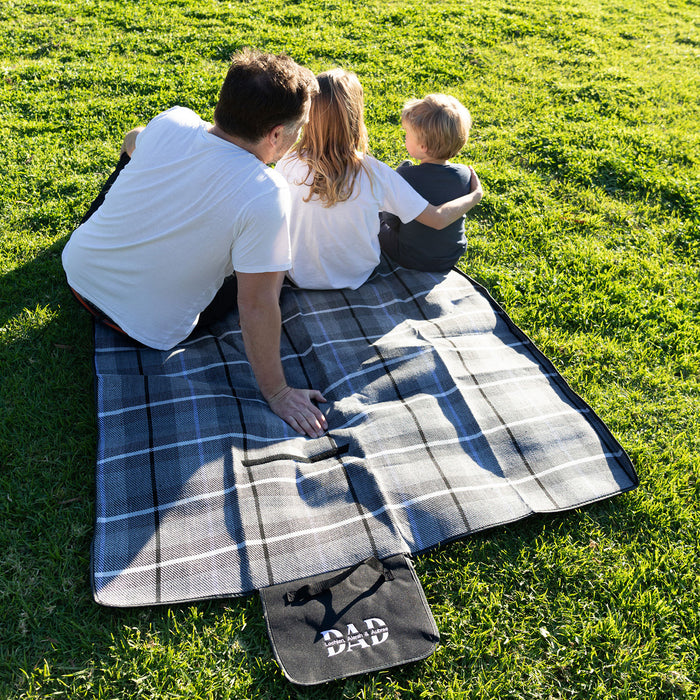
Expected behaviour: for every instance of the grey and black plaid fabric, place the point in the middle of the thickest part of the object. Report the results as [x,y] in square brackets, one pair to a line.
[444,420]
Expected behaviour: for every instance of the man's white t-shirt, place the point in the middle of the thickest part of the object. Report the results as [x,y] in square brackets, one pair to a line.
[338,247]
[185,212]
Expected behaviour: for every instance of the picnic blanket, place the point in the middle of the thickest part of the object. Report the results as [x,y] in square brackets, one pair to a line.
[444,420]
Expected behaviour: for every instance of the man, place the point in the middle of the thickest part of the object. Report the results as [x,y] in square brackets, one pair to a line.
[194,203]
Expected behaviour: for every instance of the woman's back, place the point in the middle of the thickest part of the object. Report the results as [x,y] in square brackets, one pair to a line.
[338,191]
[337,246]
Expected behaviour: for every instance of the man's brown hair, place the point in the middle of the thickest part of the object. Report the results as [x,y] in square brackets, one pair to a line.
[262,91]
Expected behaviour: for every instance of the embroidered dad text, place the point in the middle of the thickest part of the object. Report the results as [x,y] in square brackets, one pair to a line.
[375,632]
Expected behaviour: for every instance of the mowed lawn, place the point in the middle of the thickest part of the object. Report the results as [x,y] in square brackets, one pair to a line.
[587,139]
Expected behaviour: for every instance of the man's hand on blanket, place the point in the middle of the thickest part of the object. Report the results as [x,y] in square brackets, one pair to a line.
[295,406]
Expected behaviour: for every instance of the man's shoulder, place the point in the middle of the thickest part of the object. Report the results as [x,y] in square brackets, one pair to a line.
[274,180]
[183,115]
[266,192]
[176,118]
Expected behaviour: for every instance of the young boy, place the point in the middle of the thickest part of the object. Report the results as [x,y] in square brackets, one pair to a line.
[437,127]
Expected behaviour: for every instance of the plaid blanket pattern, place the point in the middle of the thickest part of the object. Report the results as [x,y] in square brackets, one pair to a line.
[444,420]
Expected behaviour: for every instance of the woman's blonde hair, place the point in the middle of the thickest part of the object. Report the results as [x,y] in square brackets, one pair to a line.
[335,137]
[441,122]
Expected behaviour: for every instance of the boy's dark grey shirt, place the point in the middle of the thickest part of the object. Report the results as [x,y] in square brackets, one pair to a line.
[415,245]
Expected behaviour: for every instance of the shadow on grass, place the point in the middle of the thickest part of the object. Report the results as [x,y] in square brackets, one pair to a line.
[54,638]
[36,283]
[46,452]
[54,632]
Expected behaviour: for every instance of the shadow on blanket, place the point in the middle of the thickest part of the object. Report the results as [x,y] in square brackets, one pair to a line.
[444,420]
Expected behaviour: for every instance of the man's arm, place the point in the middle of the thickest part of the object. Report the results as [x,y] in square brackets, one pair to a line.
[129,143]
[261,321]
[444,214]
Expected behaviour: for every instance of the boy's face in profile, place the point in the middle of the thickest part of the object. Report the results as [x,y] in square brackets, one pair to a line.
[413,146]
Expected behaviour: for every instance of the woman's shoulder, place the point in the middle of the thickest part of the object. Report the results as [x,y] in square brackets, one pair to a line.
[372,162]
[377,168]
[289,164]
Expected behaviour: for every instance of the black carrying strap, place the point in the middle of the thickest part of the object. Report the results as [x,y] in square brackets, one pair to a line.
[340,624]
[318,587]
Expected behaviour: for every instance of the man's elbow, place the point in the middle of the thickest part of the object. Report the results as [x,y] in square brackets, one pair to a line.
[129,142]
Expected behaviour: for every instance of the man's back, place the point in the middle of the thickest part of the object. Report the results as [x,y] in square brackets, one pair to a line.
[186,206]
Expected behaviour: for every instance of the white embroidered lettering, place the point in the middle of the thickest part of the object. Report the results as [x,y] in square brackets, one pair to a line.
[378,630]
[334,641]
[355,639]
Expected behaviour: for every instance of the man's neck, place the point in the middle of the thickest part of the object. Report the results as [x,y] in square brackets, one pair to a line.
[253,148]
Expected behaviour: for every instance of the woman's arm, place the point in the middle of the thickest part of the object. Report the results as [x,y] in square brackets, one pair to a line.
[444,214]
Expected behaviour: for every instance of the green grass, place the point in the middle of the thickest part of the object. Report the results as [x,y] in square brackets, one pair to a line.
[586,139]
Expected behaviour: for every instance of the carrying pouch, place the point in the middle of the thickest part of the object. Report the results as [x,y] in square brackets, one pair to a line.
[366,618]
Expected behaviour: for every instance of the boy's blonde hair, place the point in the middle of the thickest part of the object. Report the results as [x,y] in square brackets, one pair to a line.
[441,123]
[335,138]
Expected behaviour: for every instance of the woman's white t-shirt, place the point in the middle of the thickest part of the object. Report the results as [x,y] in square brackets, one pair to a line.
[186,211]
[338,247]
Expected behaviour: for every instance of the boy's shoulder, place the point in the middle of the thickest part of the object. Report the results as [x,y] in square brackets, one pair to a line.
[416,167]
[437,182]
[426,171]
